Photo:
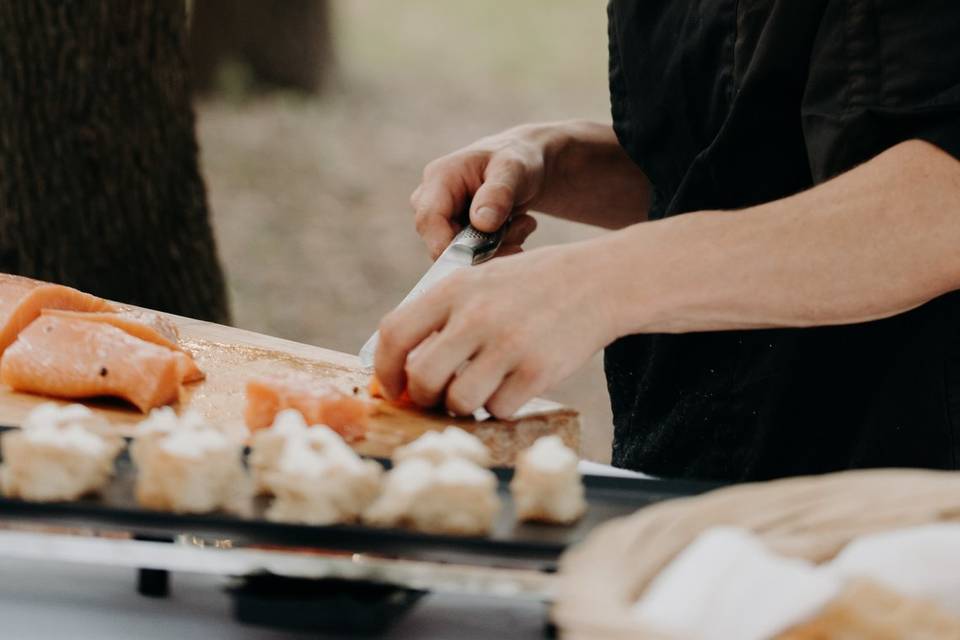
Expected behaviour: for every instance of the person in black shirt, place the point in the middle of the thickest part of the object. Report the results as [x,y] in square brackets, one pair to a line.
[777,295]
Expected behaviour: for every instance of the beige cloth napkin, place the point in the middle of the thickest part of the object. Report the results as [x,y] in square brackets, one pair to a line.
[807,517]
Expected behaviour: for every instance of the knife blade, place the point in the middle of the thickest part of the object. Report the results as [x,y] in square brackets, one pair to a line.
[469,247]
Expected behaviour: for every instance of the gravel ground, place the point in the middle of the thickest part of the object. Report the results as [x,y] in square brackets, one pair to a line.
[309,196]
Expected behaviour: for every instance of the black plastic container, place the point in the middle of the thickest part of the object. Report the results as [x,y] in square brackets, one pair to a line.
[328,606]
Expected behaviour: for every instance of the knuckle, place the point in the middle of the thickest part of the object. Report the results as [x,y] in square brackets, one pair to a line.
[502,349]
[530,371]
[501,193]
[512,163]
[417,386]
[512,341]
[461,326]
[423,382]
[449,286]
[416,373]
[438,166]
[527,224]
[421,221]
[508,343]
[461,400]
[480,319]
[501,408]
[442,290]
[389,330]
[458,326]
[477,315]
[432,168]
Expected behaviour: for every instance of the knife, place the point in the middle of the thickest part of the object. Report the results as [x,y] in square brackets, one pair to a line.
[468,247]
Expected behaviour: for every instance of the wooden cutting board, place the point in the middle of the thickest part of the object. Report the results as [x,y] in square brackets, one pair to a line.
[231,356]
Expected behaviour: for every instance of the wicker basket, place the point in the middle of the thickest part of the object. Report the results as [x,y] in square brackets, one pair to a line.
[807,517]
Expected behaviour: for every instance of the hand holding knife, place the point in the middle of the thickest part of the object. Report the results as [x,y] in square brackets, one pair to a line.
[469,247]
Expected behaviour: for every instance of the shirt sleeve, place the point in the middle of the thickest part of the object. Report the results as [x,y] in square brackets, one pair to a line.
[880,74]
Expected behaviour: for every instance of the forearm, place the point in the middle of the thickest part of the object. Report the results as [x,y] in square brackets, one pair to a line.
[589,178]
[874,242]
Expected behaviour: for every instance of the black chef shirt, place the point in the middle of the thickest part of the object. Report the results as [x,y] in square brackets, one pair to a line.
[726,104]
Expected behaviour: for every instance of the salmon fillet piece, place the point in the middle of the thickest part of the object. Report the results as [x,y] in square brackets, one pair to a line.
[22,300]
[73,358]
[319,402]
[146,325]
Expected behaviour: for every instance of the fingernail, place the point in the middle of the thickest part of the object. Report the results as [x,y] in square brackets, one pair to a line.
[487,216]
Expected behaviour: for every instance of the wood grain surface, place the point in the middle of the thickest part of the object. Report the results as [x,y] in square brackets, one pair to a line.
[230,356]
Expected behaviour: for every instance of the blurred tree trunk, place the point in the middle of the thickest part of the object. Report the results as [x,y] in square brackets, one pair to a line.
[285,44]
[99,180]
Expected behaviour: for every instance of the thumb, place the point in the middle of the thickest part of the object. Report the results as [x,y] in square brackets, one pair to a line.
[496,197]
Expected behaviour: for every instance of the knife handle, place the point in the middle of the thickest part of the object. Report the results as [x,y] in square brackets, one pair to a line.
[479,244]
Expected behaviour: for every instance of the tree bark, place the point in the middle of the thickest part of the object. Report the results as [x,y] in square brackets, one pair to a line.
[285,44]
[100,186]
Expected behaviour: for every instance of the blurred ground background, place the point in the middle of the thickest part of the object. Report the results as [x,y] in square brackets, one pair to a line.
[309,195]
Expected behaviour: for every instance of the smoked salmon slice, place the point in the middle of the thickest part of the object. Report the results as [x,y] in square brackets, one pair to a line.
[146,325]
[319,402]
[73,358]
[22,300]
